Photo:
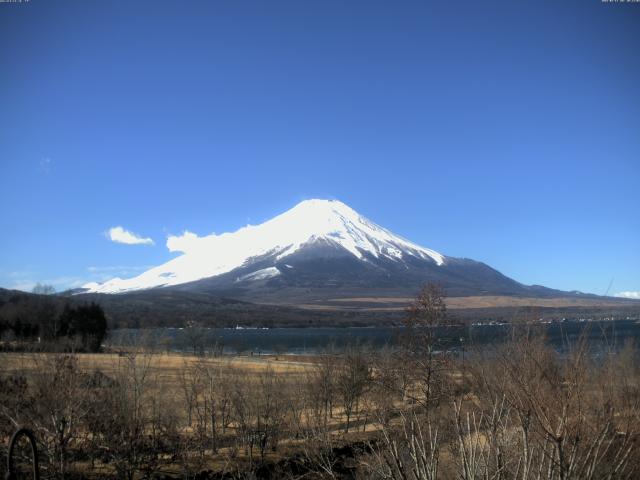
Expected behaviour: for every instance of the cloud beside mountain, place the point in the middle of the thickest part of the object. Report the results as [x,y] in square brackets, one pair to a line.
[184,243]
[120,235]
[633,295]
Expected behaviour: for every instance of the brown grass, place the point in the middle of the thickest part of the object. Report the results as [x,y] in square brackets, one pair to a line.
[490,301]
[168,367]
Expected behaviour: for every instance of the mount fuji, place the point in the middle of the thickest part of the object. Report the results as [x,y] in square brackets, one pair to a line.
[318,250]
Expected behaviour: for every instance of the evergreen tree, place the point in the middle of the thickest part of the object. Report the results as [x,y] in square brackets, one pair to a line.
[86,321]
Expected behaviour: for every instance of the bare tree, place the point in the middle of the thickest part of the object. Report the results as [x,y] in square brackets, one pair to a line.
[321,388]
[271,401]
[548,417]
[194,335]
[122,418]
[411,450]
[43,289]
[60,407]
[352,379]
[424,316]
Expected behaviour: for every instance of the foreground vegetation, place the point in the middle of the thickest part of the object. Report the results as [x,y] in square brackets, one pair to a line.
[515,411]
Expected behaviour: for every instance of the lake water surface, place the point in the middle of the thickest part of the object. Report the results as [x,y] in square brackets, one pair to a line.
[601,335]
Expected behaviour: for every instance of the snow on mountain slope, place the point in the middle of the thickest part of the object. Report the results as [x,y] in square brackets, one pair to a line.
[268,272]
[307,222]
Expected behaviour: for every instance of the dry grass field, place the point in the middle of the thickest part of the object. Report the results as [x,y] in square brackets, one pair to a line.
[471,302]
[168,366]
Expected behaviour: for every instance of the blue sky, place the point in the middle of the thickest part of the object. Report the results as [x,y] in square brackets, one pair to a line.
[507,132]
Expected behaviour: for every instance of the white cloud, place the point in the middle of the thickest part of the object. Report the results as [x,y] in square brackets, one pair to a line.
[184,243]
[634,295]
[120,235]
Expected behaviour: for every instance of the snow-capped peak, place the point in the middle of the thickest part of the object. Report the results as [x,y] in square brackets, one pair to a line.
[283,235]
[335,221]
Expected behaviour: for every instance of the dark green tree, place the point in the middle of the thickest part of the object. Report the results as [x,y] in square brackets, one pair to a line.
[85,321]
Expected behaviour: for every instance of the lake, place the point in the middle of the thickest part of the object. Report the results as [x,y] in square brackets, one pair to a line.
[601,335]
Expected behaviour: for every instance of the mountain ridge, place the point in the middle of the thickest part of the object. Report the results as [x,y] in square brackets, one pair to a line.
[318,250]
[308,223]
